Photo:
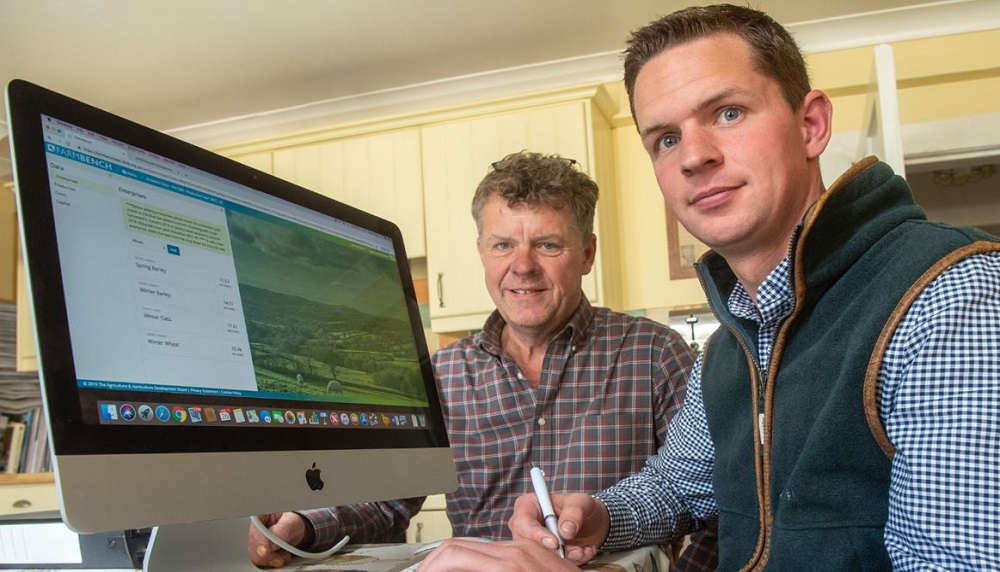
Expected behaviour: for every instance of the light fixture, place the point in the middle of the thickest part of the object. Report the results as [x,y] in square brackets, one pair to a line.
[963,176]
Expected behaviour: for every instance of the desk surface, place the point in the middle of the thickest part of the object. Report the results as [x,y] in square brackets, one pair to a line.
[390,557]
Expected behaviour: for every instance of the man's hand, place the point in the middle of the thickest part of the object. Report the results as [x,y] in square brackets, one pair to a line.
[286,525]
[456,555]
[583,524]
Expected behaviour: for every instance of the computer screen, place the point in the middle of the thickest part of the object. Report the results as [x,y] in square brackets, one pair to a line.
[213,342]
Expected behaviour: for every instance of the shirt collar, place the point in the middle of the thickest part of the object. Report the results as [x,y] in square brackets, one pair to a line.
[575,329]
[774,296]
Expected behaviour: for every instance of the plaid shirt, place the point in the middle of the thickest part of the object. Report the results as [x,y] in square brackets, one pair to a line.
[610,384]
[939,399]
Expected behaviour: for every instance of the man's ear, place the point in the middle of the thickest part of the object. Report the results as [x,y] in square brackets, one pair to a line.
[817,122]
[589,253]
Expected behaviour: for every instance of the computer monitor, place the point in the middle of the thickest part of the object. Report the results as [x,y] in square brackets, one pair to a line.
[213,342]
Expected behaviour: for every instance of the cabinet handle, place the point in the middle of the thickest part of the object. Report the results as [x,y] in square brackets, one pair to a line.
[440,289]
[419,534]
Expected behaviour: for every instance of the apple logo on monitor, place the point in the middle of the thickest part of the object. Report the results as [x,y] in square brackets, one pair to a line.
[313,478]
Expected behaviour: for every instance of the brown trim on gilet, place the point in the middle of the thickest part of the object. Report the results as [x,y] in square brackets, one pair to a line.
[878,354]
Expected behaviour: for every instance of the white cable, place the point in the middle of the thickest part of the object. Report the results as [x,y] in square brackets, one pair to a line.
[296,551]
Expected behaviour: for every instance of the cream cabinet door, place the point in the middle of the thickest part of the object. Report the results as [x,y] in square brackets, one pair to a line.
[457,155]
[378,173]
[431,523]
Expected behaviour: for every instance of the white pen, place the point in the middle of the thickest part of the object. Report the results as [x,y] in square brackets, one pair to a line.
[548,513]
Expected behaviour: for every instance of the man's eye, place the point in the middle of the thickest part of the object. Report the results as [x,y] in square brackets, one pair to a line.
[502,246]
[666,142]
[730,114]
[549,248]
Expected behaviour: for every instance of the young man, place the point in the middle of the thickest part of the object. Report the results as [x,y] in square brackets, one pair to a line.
[584,393]
[844,417]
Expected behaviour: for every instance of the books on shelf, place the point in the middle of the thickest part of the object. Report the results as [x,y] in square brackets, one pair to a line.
[24,443]
[13,443]
[24,447]
[20,391]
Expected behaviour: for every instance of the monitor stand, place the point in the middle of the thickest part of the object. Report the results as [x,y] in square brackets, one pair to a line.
[210,546]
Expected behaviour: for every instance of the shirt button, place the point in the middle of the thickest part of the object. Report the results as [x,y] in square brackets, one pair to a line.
[520,375]
[541,421]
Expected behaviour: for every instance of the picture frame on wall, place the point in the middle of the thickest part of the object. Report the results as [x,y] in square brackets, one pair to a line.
[683,249]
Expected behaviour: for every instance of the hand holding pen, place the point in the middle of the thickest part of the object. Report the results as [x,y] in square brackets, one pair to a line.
[545,503]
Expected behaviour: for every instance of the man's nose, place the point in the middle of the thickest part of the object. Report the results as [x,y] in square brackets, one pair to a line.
[698,150]
[525,260]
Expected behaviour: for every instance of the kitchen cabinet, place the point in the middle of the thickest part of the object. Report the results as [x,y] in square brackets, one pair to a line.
[379,173]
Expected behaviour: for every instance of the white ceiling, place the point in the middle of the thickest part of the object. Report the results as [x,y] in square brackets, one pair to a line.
[173,64]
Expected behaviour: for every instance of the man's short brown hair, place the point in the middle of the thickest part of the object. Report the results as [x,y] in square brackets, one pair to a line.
[534,179]
[774,50]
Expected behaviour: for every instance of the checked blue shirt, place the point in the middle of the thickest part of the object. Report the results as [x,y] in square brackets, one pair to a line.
[939,399]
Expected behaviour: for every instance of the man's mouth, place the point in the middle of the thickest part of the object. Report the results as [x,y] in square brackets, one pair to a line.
[713,196]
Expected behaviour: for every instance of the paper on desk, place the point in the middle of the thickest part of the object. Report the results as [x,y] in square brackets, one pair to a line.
[362,558]
[39,543]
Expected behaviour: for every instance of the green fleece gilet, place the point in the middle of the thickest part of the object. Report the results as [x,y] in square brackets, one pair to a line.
[812,492]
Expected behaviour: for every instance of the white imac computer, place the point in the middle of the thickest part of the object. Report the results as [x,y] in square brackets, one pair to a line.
[213,342]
